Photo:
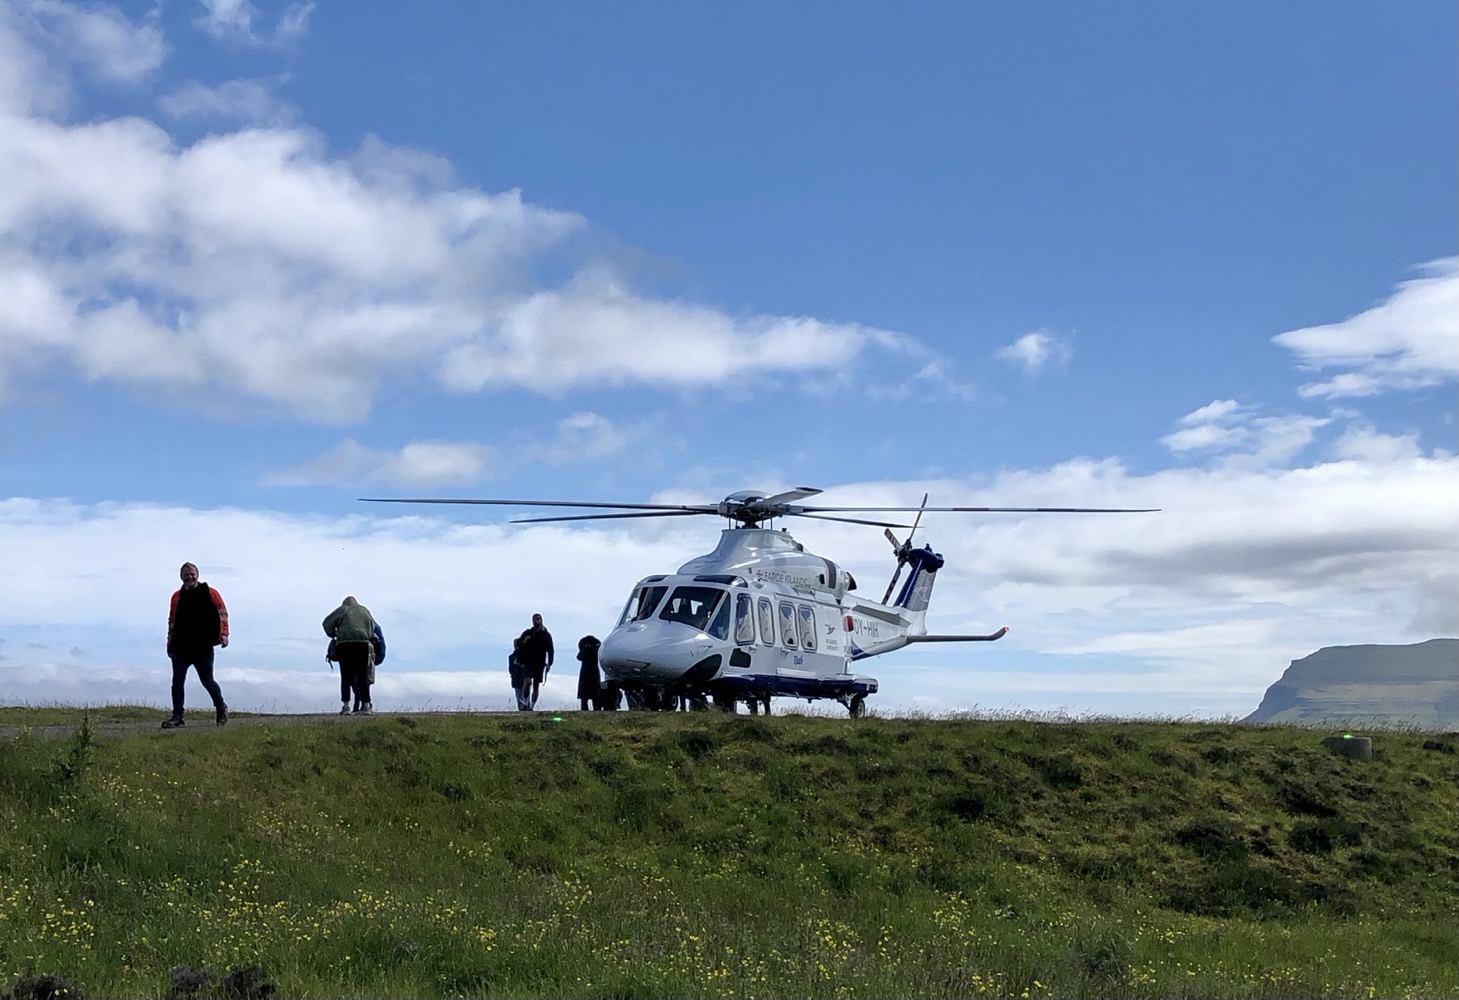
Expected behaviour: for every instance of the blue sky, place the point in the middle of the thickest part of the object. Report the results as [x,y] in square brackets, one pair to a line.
[258,260]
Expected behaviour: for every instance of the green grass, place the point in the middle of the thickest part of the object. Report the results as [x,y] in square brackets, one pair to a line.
[648,855]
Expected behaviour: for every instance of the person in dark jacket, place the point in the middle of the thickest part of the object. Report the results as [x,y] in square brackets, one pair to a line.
[197,620]
[352,628]
[534,653]
[589,681]
[521,685]
[346,688]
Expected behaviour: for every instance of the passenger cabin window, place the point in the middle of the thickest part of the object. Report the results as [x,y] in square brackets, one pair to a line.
[767,622]
[744,619]
[699,608]
[642,604]
[787,623]
[808,628]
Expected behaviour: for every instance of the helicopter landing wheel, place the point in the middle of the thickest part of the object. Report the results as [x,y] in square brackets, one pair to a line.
[857,708]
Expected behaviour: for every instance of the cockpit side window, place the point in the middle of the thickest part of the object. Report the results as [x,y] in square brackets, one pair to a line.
[767,622]
[744,619]
[808,628]
[787,623]
[642,604]
[719,625]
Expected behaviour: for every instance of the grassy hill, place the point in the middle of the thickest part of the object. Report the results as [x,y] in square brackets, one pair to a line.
[656,855]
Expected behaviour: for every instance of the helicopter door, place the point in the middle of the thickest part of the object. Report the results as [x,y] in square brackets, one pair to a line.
[744,620]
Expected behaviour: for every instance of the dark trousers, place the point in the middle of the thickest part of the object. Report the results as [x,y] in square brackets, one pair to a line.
[203,660]
[354,671]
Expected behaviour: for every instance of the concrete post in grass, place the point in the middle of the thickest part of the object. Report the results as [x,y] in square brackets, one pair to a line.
[1348,745]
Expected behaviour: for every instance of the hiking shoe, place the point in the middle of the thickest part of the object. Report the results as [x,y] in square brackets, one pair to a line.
[222,715]
[344,709]
[367,709]
[172,723]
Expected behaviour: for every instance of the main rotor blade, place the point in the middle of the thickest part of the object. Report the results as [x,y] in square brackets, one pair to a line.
[685,508]
[789,496]
[605,517]
[848,520]
[989,510]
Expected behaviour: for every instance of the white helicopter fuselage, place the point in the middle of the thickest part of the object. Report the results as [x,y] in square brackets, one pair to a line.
[759,617]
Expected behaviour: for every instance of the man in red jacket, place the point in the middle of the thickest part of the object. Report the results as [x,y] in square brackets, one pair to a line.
[196,622]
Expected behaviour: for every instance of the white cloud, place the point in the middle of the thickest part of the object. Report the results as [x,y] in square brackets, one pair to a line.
[589,436]
[434,463]
[226,18]
[251,101]
[234,21]
[1034,352]
[102,38]
[1227,428]
[41,40]
[258,266]
[1409,341]
[420,463]
[1212,412]
[597,332]
[1208,436]
[294,22]
[1365,444]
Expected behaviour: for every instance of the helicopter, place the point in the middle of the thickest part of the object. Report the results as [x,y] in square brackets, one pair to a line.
[760,617]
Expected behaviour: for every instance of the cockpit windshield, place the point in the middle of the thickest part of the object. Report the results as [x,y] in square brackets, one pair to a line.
[702,608]
[642,604]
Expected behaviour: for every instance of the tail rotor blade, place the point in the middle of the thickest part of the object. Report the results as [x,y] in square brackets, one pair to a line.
[893,585]
[903,549]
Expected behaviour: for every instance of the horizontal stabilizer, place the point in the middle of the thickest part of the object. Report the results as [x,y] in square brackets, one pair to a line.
[960,638]
[879,613]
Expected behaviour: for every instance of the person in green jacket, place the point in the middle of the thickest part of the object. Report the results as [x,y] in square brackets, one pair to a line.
[352,628]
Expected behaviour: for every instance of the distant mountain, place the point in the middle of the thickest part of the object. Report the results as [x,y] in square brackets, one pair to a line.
[1415,685]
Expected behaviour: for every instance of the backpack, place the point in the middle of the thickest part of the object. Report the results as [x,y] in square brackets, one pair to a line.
[378,641]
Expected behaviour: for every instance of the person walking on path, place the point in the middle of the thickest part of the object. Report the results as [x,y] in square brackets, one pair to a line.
[352,628]
[535,655]
[589,681]
[346,688]
[197,620]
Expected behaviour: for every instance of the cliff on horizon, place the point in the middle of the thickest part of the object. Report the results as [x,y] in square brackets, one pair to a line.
[1396,686]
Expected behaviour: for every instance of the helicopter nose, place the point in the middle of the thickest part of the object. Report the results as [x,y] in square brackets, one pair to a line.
[644,652]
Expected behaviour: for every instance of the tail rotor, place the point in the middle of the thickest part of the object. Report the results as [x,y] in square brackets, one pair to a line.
[902,549]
